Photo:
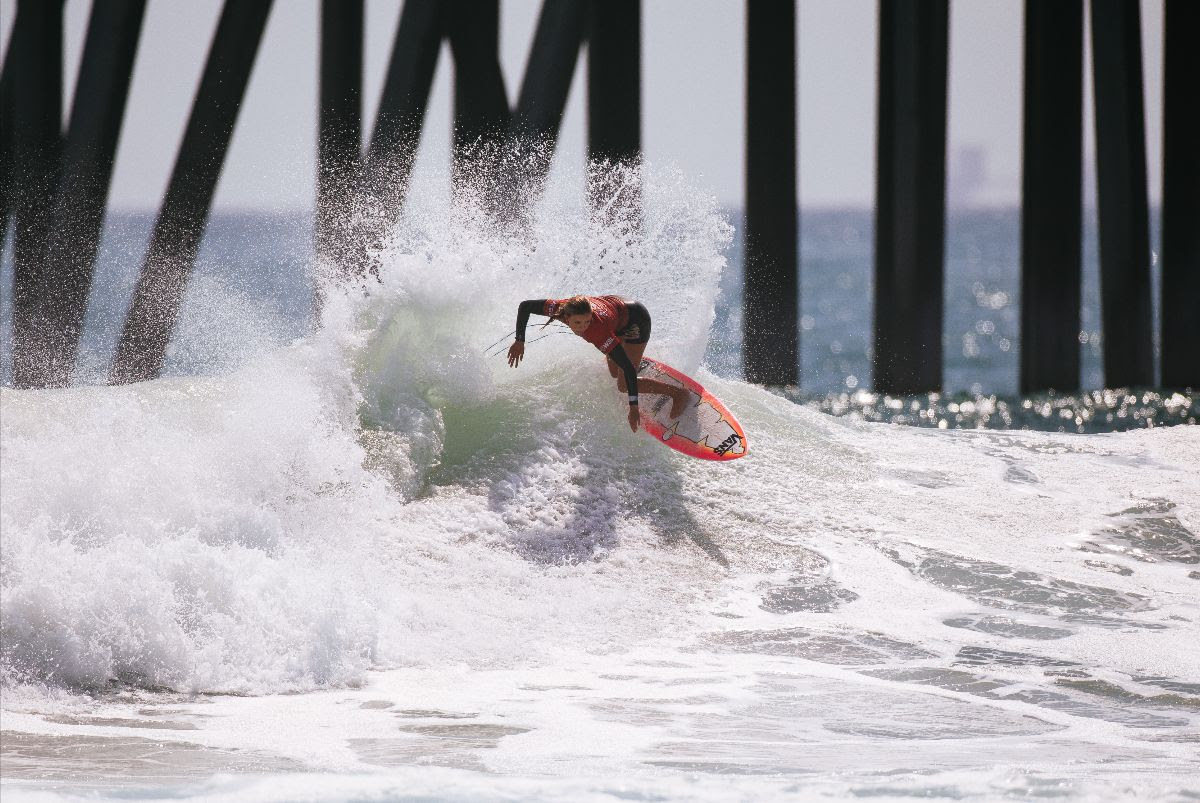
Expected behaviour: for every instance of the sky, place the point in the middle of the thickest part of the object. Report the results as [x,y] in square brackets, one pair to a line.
[693,93]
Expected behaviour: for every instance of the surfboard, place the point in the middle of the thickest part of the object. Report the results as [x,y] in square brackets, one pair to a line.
[705,429]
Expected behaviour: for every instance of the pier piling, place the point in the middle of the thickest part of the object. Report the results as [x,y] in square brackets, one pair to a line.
[1121,187]
[1051,196]
[910,195]
[401,115]
[614,95]
[548,74]
[37,88]
[77,220]
[1181,196]
[6,155]
[339,121]
[180,225]
[771,340]
[54,190]
[480,98]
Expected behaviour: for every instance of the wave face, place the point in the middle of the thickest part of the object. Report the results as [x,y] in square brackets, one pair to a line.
[378,494]
[382,495]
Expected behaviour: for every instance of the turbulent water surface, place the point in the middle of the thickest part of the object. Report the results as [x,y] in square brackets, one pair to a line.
[373,563]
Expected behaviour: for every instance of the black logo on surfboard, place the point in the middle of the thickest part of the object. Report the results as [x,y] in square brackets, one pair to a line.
[727,444]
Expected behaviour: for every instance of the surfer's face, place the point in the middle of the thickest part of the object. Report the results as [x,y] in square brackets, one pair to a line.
[579,323]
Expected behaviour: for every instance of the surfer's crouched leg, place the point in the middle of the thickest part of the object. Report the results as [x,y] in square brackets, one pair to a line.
[679,396]
[679,401]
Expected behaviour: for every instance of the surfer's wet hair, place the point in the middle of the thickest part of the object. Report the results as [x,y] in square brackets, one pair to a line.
[575,305]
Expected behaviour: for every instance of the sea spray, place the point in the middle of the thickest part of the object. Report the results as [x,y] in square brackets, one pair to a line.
[308,514]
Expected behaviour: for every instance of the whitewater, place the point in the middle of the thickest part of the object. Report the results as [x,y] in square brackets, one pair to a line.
[373,563]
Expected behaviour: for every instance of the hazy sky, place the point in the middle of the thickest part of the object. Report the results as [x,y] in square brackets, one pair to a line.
[693,92]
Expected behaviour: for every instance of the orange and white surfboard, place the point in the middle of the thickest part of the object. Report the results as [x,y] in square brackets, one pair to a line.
[706,429]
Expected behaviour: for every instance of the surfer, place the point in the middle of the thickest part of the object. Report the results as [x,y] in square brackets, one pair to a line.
[618,327]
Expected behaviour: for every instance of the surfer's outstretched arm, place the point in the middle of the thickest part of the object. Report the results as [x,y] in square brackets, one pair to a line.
[527,308]
[517,350]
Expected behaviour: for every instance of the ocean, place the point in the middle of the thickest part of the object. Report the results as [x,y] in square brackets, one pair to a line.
[364,561]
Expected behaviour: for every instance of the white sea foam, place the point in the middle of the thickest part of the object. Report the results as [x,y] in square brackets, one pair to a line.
[275,528]
[382,496]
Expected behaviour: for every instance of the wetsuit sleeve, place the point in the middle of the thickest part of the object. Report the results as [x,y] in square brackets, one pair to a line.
[619,356]
[527,308]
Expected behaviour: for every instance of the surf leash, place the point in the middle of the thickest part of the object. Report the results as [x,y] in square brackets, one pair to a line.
[498,342]
[503,349]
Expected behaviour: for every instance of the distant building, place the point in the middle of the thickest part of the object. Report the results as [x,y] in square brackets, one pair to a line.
[966,176]
[970,186]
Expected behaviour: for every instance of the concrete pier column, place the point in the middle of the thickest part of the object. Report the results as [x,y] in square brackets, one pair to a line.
[544,88]
[1181,196]
[393,147]
[6,155]
[771,339]
[35,61]
[1121,186]
[614,98]
[910,195]
[1051,196]
[184,214]
[339,122]
[77,221]
[480,98]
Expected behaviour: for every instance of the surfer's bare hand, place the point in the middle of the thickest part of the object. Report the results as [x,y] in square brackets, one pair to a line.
[515,352]
[634,418]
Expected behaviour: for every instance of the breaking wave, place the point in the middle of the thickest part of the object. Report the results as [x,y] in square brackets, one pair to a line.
[381,493]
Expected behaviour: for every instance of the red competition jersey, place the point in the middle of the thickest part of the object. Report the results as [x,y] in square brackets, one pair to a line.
[609,314]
